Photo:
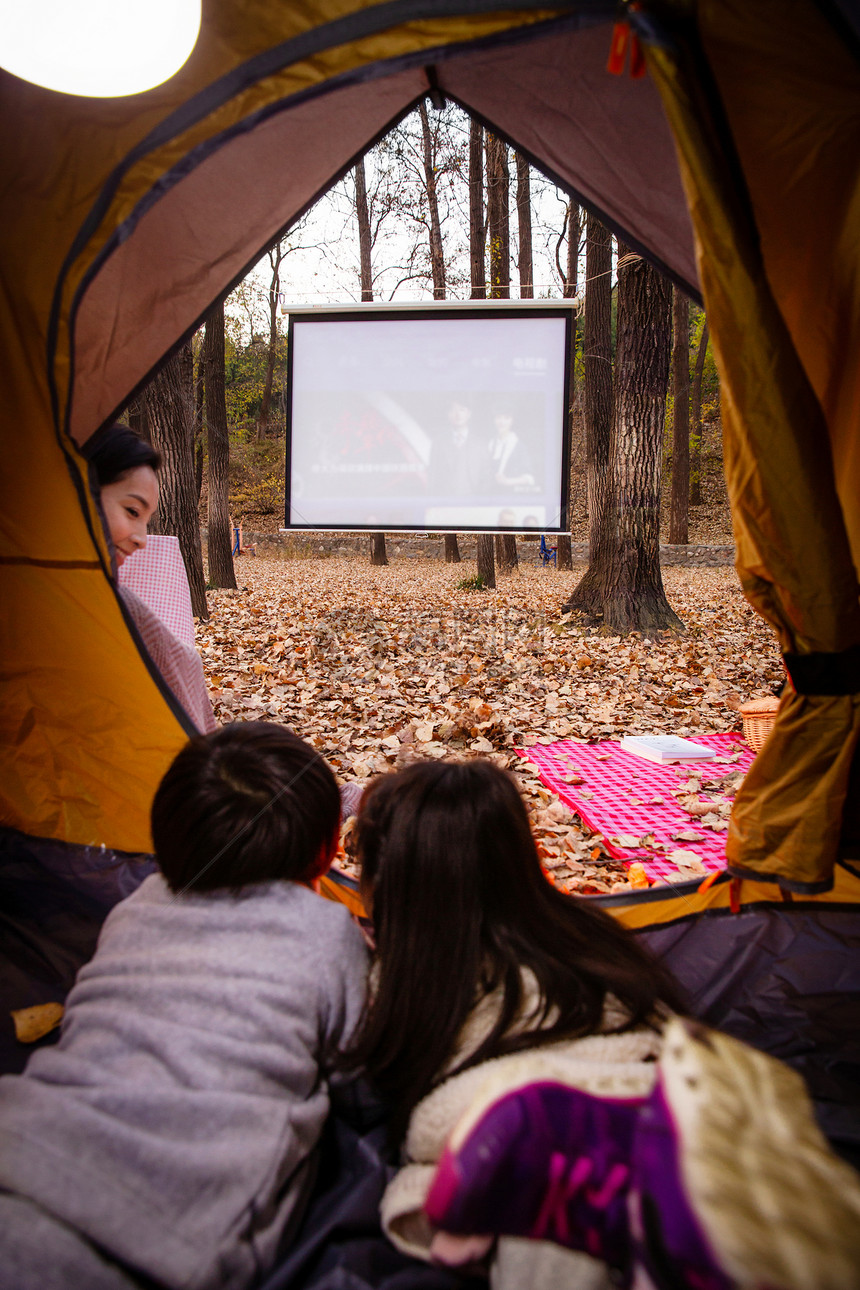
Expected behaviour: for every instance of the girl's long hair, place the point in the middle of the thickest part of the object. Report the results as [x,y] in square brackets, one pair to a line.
[460,907]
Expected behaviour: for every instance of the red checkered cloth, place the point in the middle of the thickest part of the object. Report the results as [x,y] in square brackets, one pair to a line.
[616,797]
[157,575]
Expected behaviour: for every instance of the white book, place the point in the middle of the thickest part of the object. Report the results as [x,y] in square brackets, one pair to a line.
[666,748]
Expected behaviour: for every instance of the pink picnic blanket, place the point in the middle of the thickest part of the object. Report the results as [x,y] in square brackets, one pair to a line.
[157,575]
[616,797]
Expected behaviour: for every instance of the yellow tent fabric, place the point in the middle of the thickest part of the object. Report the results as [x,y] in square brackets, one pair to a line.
[87,730]
[124,219]
[731,100]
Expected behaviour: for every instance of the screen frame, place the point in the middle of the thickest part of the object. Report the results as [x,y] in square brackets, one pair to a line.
[562,309]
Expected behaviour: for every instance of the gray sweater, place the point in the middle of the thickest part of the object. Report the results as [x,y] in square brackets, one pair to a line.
[173,1123]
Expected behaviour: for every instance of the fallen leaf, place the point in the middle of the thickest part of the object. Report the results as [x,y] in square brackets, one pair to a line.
[686,860]
[33,1023]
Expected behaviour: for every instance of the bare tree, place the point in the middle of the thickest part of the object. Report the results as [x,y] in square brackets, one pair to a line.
[199,418]
[525,259]
[362,214]
[170,419]
[696,444]
[276,255]
[437,259]
[498,223]
[477,222]
[597,403]
[378,553]
[486,560]
[221,571]
[564,556]
[417,169]
[632,597]
[679,500]
[506,552]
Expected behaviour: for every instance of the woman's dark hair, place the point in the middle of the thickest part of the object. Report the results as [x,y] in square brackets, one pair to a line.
[250,803]
[117,449]
[460,906]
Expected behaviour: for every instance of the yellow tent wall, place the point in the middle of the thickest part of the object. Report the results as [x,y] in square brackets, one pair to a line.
[124,219]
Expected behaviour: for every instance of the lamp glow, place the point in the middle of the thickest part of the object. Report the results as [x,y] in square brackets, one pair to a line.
[97,48]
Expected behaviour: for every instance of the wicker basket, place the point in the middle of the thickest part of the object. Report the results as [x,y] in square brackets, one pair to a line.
[758,718]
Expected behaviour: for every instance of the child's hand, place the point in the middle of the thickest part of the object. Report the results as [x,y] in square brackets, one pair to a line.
[456,1251]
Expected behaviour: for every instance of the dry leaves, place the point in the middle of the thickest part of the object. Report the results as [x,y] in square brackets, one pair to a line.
[376,666]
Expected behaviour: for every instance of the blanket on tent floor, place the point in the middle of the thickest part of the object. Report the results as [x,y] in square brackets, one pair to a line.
[633,802]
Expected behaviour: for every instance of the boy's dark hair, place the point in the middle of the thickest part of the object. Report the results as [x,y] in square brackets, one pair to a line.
[250,803]
[117,449]
[461,906]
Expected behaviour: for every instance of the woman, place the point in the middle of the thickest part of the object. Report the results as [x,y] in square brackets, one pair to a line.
[126,471]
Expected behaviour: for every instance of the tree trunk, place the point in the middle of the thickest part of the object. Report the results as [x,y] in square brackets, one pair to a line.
[696,443]
[506,552]
[199,420]
[632,595]
[509,543]
[378,553]
[362,216]
[170,419]
[524,229]
[477,226]
[597,404]
[186,367]
[452,549]
[221,571]
[497,218]
[486,560]
[679,500]
[437,259]
[564,557]
[276,255]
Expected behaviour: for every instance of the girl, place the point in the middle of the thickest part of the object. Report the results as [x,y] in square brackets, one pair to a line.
[485,969]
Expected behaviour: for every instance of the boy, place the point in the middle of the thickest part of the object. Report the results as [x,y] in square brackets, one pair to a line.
[168,1137]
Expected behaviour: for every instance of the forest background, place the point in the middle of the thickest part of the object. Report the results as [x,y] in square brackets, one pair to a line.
[319,263]
[415,188]
[441,209]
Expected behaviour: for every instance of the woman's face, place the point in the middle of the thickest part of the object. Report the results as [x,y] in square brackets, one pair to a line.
[128,504]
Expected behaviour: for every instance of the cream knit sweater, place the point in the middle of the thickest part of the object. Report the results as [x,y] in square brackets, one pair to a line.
[607,1065]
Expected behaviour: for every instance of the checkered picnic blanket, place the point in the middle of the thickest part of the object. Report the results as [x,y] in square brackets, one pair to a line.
[157,575]
[628,799]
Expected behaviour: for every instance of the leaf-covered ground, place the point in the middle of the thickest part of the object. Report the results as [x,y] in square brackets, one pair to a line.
[375,666]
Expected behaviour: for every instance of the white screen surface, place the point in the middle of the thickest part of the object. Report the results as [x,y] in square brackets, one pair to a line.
[417,422]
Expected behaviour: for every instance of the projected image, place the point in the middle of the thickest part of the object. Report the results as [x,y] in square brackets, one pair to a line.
[416,423]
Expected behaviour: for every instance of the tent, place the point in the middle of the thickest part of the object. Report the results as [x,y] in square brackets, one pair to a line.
[732,165]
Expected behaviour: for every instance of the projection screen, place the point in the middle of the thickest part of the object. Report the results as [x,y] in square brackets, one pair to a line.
[433,418]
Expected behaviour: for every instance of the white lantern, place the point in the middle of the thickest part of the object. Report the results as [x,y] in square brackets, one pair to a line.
[97,48]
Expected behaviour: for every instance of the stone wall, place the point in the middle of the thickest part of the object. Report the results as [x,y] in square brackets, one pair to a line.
[412,546]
